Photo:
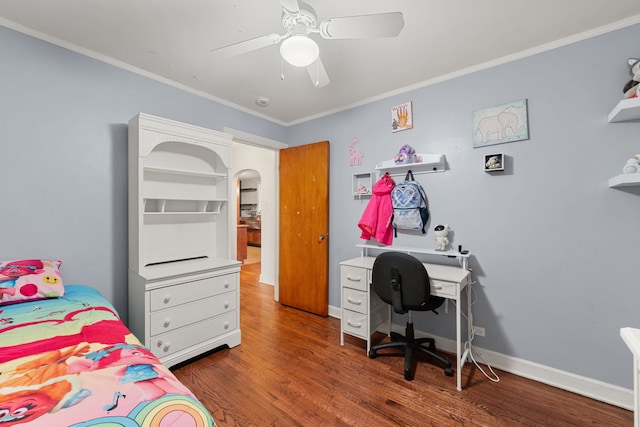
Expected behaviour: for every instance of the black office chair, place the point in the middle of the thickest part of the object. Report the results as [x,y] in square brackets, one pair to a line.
[402,281]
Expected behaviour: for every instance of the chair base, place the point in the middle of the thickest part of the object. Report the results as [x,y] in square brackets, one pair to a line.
[411,344]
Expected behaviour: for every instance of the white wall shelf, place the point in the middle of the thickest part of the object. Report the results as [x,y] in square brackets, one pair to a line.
[626,110]
[362,184]
[496,167]
[625,180]
[430,163]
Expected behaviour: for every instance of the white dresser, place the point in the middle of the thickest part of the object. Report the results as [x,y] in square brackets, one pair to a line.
[183,284]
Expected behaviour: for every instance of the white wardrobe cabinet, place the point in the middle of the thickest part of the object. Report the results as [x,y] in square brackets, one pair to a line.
[183,284]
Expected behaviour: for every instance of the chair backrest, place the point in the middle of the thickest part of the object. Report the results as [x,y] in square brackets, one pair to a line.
[402,281]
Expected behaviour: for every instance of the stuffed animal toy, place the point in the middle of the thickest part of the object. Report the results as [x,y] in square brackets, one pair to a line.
[493,162]
[441,232]
[633,165]
[406,155]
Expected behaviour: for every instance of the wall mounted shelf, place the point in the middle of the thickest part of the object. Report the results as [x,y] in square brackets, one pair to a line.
[496,166]
[362,184]
[430,163]
[627,109]
[625,180]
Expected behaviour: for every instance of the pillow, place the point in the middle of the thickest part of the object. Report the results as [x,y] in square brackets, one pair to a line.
[29,280]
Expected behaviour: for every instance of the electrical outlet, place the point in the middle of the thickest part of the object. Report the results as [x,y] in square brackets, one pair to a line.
[478,330]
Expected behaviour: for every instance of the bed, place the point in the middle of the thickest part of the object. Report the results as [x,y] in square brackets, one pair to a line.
[66,359]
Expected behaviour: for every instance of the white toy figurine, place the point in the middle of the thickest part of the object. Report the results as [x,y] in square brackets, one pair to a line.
[633,165]
[441,232]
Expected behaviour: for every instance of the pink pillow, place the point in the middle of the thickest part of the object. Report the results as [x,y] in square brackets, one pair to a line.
[29,280]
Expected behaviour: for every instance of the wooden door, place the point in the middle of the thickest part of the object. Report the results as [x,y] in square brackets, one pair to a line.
[304,227]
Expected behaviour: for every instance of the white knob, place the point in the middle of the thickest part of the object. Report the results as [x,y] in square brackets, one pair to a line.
[226,304]
[226,285]
[226,325]
[159,344]
[167,322]
[167,298]
[166,347]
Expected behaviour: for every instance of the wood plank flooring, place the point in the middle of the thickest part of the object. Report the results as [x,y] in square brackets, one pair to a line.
[291,370]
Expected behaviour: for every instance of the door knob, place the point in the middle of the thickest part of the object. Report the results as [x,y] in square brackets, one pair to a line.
[320,238]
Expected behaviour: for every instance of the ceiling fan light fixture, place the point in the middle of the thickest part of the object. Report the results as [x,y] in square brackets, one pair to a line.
[299,50]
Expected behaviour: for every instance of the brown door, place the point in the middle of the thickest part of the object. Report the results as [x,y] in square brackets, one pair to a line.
[304,227]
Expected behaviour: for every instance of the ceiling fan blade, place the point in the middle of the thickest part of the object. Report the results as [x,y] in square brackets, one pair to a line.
[318,74]
[363,26]
[290,6]
[247,46]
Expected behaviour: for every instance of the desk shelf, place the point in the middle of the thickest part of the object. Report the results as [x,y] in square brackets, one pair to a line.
[450,254]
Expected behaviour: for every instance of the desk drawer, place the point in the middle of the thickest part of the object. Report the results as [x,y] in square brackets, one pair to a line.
[441,288]
[354,277]
[355,300]
[354,323]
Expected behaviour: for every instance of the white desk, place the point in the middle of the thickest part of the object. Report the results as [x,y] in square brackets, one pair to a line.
[363,312]
[631,337]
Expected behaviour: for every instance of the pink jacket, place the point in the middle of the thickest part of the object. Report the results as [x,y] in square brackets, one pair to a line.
[376,218]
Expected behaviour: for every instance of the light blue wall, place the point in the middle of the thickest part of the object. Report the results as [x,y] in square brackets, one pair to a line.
[63,144]
[554,248]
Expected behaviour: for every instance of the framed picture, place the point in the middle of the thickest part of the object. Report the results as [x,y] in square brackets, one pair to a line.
[500,124]
[401,117]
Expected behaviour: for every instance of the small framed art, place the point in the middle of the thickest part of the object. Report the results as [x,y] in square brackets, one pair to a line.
[500,124]
[401,117]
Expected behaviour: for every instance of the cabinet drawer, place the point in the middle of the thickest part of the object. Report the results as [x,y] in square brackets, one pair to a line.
[186,314]
[443,289]
[354,277]
[171,296]
[355,300]
[180,339]
[354,323]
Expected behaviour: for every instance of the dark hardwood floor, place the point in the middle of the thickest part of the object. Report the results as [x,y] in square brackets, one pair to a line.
[291,370]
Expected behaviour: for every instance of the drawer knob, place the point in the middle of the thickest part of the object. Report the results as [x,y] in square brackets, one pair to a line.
[354,302]
[166,299]
[354,279]
[354,325]
[437,286]
[159,343]
[226,304]
[166,347]
[226,325]
[167,322]
[226,285]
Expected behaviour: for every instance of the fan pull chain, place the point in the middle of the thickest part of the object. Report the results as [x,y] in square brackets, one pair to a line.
[317,72]
[281,69]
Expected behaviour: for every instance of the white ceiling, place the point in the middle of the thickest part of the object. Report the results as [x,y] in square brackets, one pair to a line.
[172,40]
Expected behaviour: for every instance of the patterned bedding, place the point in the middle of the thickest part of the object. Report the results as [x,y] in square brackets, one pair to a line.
[70,361]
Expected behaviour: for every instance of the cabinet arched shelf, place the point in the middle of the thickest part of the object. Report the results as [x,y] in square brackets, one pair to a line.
[430,163]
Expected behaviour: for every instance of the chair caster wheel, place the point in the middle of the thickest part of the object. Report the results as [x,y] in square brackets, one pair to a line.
[372,354]
[408,376]
[448,372]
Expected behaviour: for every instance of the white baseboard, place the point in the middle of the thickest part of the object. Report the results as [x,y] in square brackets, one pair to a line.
[589,387]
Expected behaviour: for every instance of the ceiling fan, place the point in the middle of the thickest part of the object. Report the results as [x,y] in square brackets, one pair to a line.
[299,21]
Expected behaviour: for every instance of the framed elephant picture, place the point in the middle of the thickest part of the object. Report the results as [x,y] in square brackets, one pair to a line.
[500,124]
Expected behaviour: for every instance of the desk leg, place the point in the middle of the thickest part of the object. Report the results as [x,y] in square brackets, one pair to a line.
[458,345]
